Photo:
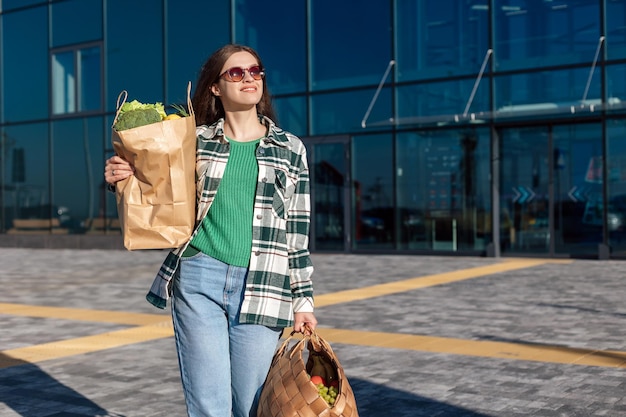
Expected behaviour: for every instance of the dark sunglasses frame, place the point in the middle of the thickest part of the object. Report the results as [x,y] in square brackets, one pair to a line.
[236,74]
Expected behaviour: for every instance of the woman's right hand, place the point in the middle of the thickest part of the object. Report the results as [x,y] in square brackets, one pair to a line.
[117,169]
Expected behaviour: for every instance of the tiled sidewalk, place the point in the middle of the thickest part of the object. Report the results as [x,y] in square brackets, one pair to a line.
[417,336]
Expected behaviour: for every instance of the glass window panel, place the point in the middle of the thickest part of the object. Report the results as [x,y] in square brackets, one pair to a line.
[616,139]
[531,34]
[63,83]
[79,186]
[135,63]
[90,70]
[350,43]
[374,219]
[25,60]
[443,200]
[440,39]
[328,167]
[183,62]
[25,172]
[16,4]
[65,31]
[616,29]
[292,114]
[343,112]
[282,47]
[578,201]
[417,102]
[616,87]
[547,92]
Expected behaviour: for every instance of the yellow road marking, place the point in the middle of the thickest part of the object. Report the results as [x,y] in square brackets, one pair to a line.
[80,314]
[425,281]
[80,345]
[489,349]
[153,326]
[443,345]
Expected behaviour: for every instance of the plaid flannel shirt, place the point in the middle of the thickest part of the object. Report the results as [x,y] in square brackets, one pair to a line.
[280,269]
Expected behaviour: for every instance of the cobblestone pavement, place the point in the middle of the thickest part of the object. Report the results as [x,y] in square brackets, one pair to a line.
[552,309]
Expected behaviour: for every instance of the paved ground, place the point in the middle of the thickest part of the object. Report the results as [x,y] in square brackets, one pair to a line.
[473,337]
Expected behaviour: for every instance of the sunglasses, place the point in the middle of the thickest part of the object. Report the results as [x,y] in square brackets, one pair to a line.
[236,74]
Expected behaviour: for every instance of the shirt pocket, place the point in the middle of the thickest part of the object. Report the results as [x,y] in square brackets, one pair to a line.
[283,191]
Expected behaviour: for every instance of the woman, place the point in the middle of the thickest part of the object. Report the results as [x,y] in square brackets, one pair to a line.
[245,274]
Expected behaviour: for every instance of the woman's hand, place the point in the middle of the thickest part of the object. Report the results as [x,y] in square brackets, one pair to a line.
[117,169]
[300,319]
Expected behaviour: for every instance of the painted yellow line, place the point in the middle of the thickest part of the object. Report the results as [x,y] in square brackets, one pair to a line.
[153,326]
[489,349]
[425,281]
[65,348]
[101,316]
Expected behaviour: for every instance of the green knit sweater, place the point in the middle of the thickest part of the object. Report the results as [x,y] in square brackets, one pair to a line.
[226,231]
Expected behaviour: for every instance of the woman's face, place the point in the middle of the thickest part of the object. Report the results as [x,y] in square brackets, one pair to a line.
[243,94]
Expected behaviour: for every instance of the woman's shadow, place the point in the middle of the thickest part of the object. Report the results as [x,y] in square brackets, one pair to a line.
[31,392]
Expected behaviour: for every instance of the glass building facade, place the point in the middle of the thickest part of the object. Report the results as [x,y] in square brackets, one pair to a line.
[469,127]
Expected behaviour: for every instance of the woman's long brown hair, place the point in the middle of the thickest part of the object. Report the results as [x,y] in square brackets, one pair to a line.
[208,108]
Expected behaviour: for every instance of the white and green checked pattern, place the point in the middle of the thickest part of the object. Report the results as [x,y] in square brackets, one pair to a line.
[279,281]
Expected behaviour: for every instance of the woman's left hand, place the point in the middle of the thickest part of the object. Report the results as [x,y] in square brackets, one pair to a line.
[300,319]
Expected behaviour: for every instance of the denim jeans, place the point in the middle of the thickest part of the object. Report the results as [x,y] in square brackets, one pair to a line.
[223,363]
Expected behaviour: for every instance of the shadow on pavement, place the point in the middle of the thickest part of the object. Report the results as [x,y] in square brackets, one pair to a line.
[374,400]
[31,392]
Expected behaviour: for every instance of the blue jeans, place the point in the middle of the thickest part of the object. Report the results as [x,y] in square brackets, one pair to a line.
[223,363]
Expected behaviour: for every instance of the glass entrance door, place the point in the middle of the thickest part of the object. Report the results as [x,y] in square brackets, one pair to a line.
[551,189]
[525,176]
[329,170]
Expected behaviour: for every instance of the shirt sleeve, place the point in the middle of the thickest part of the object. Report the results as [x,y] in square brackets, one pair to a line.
[298,225]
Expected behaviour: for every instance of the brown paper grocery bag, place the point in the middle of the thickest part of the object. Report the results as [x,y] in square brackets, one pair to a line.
[156,206]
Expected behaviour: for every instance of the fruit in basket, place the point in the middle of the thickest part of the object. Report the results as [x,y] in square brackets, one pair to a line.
[316,379]
[320,364]
[329,394]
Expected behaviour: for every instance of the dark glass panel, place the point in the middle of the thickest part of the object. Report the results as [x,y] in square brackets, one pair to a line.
[76,21]
[440,39]
[616,143]
[281,41]
[25,175]
[135,51]
[292,114]
[344,112]
[616,87]
[25,65]
[329,169]
[616,29]
[443,197]
[548,93]
[420,102]
[374,218]
[15,4]
[90,85]
[350,43]
[531,34]
[78,186]
[190,44]
[578,201]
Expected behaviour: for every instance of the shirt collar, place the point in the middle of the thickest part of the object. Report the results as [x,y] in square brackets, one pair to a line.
[275,134]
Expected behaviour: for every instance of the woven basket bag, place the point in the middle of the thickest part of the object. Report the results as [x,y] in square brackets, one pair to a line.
[288,390]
